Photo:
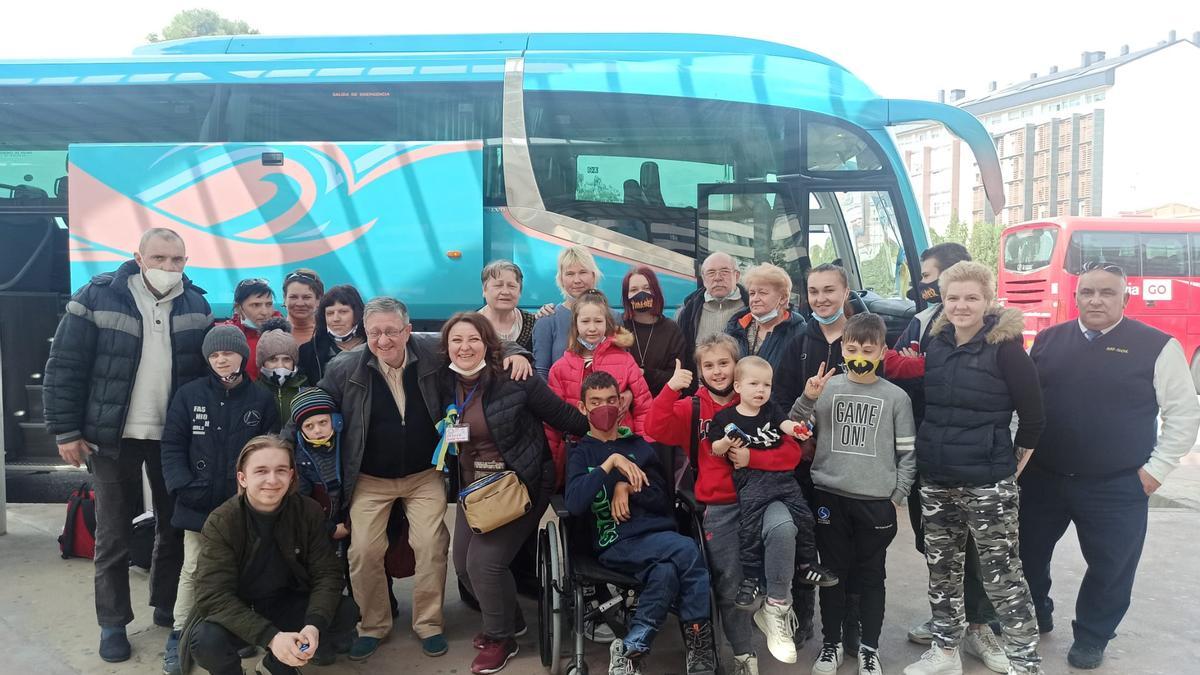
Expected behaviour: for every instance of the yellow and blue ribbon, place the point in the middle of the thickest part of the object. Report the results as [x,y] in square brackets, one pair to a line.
[444,446]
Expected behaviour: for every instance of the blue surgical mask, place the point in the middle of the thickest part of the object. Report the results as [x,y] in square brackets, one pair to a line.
[825,321]
[766,318]
[590,346]
[736,293]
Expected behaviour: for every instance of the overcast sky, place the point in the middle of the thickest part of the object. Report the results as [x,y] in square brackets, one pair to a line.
[902,50]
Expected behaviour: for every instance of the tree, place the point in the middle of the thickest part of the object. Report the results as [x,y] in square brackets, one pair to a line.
[200,22]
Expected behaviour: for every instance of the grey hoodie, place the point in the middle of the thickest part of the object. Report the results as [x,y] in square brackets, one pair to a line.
[865,438]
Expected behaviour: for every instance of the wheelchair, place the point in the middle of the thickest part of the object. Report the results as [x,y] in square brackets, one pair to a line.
[567,564]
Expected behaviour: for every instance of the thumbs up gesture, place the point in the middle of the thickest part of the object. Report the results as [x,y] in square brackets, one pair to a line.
[681,379]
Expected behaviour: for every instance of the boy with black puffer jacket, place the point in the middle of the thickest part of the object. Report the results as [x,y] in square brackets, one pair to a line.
[616,476]
[208,422]
[278,357]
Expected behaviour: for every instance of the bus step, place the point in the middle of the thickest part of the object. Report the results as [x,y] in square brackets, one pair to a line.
[39,443]
[33,402]
[39,465]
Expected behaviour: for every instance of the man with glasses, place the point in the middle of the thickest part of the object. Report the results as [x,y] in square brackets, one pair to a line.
[706,311]
[1107,380]
[128,340]
[389,399]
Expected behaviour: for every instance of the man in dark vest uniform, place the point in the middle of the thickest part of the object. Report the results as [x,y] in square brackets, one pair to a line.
[1106,380]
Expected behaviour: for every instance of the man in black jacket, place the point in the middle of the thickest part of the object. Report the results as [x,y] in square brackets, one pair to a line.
[388,395]
[706,311]
[128,340]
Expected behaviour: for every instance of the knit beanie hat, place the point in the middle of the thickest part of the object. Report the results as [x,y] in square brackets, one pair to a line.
[273,343]
[311,401]
[226,338]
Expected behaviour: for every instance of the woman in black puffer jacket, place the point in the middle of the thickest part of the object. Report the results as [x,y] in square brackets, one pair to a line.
[504,420]
[976,375]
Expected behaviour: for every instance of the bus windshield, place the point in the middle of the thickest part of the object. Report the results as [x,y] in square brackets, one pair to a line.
[1029,250]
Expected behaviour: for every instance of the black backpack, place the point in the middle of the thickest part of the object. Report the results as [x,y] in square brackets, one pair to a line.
[78,539]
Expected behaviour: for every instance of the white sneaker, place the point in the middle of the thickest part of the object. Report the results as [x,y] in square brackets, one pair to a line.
[744,664]
[983,644]
[778,623]
[828,659]
[923,634]
[868,661]
[936,661]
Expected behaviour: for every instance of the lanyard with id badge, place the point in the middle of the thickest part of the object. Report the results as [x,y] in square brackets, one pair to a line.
[453,428]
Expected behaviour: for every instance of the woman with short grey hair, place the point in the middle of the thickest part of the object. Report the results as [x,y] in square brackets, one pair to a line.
[502,284]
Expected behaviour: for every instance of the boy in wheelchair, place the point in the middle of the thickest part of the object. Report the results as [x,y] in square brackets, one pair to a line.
[617,477]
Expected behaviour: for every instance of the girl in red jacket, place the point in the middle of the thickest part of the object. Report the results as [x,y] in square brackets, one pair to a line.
[674,421]
[595,342]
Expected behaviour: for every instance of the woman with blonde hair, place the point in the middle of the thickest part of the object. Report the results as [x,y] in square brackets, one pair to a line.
[763,329]
[577,272]
[976,375]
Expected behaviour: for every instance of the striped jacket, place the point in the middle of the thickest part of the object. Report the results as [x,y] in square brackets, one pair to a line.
[95,354]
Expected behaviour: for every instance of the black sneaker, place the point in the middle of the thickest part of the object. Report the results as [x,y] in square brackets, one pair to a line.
[1084,656]
[747,594]
[815,575]
[698,641]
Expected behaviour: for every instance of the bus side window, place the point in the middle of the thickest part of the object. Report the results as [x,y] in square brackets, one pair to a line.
[1164,254]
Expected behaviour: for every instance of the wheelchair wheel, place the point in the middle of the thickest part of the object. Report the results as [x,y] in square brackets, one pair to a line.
[550,601]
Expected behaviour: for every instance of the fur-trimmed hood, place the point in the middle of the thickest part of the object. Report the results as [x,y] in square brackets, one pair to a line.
[1000,324]
[622,338]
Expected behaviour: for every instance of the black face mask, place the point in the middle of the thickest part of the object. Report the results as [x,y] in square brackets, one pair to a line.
[642,301]
[929,292]
[718,392]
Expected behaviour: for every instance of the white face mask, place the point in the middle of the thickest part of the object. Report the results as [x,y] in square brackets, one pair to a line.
[769,316]
[162,280]
[343,338]
[468,373]
[280,375]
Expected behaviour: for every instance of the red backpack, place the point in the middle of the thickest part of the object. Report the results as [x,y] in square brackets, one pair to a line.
[78,538]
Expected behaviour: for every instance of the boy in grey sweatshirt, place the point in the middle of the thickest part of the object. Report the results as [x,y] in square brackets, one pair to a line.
[863,469]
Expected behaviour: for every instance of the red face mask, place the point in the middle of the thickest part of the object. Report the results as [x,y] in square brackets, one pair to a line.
[604,417]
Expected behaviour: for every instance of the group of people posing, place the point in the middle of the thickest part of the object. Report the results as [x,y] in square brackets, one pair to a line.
[279,447]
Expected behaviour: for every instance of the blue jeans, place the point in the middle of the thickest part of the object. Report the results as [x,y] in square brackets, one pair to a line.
[672,573]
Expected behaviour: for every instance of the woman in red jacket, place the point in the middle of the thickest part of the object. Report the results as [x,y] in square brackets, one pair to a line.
[595,342]
[677,421]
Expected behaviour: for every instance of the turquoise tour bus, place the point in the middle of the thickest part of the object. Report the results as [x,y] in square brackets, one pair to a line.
[402,164]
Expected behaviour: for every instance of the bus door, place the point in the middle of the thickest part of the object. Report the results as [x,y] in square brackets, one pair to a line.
[403,219]
[798,225]
[33,284]
[753,223]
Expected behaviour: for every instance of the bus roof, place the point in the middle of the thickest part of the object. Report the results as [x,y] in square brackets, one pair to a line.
[1071,223]
[506,42]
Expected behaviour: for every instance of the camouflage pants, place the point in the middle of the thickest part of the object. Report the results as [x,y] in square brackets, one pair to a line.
[989,515]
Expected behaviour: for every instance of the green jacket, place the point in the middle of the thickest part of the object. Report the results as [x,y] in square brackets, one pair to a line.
[283,395]
[229,542]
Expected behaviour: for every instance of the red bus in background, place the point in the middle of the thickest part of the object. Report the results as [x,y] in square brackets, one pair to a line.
[1040,263]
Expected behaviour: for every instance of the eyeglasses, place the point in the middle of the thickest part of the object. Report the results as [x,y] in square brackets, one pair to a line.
[719,273]
[1100,265]
[391,333]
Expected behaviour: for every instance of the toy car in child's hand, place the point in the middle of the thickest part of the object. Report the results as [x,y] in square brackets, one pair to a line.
[733,433]
[803,429]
